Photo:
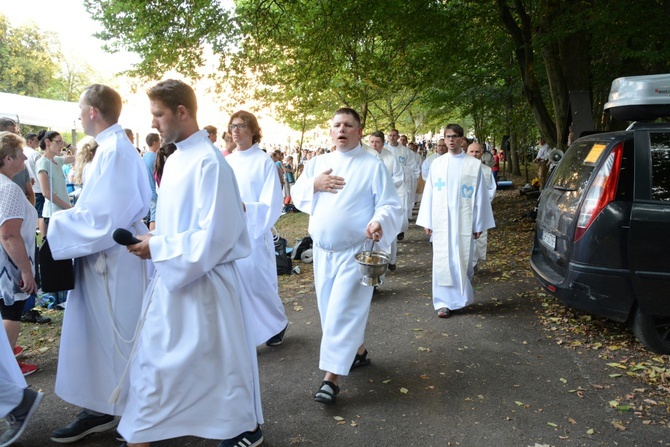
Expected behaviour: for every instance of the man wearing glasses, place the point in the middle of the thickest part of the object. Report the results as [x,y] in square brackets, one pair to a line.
[261,195]
[455,210]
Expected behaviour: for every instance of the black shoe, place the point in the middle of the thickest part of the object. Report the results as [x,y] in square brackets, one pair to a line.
[246,439]
[277,339]
[18,418]
[401,236]
[85,424]
[327,393]
[361,360]
[392,267]
[33,316]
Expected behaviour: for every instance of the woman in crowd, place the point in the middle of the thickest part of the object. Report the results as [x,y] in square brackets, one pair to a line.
[289,176]
[229,144]
[18,219]
[496,165]
[50,175]
[82,162]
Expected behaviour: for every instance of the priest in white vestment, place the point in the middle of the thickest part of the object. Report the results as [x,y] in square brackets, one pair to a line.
[103,309]
[262,196]
[476,150]
[407,162]
[350,198]
[376,139]
[454,210]
[194,372]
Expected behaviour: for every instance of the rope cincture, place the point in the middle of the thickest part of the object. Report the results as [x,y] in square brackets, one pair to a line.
[101,262]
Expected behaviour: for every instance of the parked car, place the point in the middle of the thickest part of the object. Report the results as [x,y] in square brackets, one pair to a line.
[602,241]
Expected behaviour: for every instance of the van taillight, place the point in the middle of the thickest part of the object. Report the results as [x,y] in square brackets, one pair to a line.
[601,192]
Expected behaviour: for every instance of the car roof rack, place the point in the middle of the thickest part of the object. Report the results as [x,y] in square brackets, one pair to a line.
[640,98]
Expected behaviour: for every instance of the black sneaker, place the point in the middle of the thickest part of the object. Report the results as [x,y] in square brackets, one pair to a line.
[277,339]
[34,316]
[18,418]
[246,439]
[85,424]
[401,236]
[392,267]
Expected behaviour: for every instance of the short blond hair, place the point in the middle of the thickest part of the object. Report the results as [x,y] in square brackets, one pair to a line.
[10,144]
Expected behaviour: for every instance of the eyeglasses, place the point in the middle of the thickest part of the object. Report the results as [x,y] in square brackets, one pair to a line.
[232,127]
[452,136]
[57,141]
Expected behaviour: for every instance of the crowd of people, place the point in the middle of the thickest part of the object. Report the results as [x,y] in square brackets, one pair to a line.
[200,274]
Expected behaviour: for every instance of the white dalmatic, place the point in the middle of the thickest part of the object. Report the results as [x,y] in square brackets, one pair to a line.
[425,167]
[195,371]
[261,192]
[104,308]
[455,205]
[337,226]
[482,242]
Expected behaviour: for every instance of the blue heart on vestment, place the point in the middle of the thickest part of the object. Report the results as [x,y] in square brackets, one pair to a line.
[467,191]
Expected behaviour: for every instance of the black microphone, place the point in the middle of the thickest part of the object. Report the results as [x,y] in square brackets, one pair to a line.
[124,237]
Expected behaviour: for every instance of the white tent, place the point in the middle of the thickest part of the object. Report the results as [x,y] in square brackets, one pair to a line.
[49,113]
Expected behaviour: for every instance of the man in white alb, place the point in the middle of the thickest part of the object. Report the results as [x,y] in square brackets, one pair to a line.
[350,198]
[440,149]
[476,150]
[406,159]
[104,307]
[376,140]
[262,200]
[194,372]
[454,210]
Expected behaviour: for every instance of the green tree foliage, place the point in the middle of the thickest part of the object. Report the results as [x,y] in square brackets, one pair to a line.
[409,63]
[26,67]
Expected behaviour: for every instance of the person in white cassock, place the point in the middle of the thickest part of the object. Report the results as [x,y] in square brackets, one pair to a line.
[476,150]
[440,149]
[407,161]
[454,210]
[376,140]
[350,198]
[103,309]
[194,372]
[262,196]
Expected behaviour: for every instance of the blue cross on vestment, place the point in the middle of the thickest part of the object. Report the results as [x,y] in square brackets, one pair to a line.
[440,184]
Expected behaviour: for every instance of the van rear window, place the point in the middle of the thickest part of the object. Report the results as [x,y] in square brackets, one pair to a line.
[574,170]
[660,166]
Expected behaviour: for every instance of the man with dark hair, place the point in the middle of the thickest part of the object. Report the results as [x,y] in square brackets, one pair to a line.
[261,195]
[103,309]
[153,141]
[455,210]
[195,371]
[350,198]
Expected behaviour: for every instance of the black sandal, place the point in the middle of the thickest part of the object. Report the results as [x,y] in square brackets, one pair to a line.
[361,360]
[327,393]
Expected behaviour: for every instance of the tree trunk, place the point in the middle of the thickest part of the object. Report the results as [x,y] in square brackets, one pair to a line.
[523,42]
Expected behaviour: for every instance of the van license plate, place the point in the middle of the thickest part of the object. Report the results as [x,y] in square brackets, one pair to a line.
[549,239]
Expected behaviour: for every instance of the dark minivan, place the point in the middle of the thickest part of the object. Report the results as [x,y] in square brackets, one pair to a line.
[602,242]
